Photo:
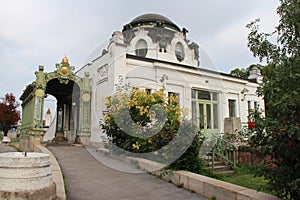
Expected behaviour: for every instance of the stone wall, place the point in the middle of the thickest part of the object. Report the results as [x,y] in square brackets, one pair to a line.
[246,156]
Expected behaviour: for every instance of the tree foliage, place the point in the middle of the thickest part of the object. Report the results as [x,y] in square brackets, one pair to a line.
[240,72]
[9,115]
[276,135]
[244,73]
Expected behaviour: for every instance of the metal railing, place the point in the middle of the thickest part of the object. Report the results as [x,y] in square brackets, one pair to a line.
[224,150]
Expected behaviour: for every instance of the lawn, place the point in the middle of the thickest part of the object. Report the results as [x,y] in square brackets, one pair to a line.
[244,176]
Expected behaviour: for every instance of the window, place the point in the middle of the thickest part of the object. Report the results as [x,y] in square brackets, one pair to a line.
[141,48]
[194,94]
[179,51]
[173,95]
[205,112]
[215,96]
[148,91]
[255,105]
[249,108]
[216,116]
[232,107]
[205,95]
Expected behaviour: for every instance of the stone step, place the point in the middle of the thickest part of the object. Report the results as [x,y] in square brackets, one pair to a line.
[59,136]
[226,172]
[209,159]
[221,168]
[217,163]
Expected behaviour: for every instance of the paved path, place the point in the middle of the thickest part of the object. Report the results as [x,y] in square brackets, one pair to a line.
[88,179]
[6,148]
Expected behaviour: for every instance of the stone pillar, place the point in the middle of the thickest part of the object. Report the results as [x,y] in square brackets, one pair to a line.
[232,125]
[85,110]
[39,102]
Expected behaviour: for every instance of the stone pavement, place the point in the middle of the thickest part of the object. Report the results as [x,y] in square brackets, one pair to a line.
[6,148]
[88,179]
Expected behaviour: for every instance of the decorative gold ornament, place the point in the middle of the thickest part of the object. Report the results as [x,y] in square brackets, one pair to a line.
[65,60]
[86,97]
[64,70]
[39,93]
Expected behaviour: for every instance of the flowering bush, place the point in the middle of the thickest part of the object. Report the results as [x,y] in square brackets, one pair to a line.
[251,125]
[140,122]
[138,104]
[277,141]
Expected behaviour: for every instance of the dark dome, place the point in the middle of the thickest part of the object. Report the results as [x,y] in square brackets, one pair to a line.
[152,18]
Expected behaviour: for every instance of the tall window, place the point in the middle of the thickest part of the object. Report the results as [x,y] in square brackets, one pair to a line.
[205,111]
[255,105]
[141,48]
[249,108]
[232,107]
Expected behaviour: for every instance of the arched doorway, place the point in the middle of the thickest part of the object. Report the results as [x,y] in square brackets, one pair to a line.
[73,104]
[67,109]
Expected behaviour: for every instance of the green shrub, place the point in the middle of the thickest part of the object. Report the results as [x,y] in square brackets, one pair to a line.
[130,119]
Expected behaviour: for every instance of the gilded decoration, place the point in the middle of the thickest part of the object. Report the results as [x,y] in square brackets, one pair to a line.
[34,94]
[64,72]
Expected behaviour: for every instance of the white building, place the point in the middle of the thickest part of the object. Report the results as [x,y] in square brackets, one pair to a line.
[48,118]
[152,51]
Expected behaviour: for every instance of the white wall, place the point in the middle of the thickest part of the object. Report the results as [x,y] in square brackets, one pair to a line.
[145,74]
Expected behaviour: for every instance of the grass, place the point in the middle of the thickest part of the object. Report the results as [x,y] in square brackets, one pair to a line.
[244,176]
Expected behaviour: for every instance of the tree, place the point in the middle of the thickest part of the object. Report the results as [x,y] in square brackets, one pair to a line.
[240,72]
[9,115]
[276,136]
[244,73]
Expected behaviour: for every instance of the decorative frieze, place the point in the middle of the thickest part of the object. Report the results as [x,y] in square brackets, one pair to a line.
[102,74]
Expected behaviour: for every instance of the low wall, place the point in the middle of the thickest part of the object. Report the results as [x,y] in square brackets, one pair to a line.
[206,186]
[245,155]
[203,185]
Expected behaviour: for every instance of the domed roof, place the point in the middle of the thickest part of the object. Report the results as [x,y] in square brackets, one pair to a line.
[152,18]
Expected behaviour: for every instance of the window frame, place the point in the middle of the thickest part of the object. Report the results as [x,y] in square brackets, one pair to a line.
[141,49]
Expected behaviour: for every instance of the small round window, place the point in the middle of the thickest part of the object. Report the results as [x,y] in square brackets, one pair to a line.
[141,48]
[179,51]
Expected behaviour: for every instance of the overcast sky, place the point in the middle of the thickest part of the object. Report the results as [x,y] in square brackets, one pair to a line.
[40,32]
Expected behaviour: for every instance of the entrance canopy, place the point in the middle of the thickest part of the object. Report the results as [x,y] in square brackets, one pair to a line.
[73,101]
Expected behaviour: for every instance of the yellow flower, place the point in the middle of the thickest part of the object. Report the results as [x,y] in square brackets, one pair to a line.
[136,145]
[107,117]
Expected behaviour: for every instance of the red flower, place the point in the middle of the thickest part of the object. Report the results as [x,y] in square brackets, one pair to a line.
[251,125]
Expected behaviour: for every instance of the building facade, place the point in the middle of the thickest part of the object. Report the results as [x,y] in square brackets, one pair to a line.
[152,52]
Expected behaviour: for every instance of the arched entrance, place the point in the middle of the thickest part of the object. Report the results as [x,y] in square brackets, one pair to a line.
[73,104]
[67,109]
